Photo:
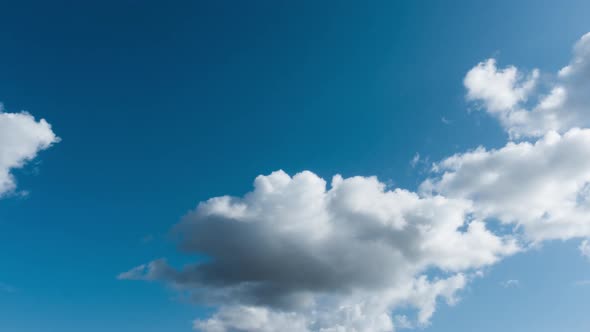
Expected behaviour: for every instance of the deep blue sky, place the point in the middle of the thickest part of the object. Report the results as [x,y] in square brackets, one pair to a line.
[160,106]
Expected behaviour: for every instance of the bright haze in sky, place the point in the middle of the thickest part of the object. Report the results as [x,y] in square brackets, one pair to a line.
[264,166]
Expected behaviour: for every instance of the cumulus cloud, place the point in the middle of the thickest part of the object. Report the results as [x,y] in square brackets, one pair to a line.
[565,103]
[21,138]
[542,187]
[337,258]
[499,89]
[297,254]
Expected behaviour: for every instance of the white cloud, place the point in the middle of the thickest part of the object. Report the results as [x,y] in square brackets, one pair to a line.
[542,187]
[21,138]
[504,92]
[339,258]
[297,255]
[499,90]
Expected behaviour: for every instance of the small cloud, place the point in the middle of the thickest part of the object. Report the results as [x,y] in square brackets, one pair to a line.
[389,184]
[510,283]
[479,274]
[446,121]
[585,248]
[136,273]
[582,282]
[419,162]
[402,322]
[415,160]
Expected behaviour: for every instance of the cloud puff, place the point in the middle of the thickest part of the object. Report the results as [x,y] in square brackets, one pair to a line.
[333,259]
[543,187]
[504,93]
[499,89]
[21,138]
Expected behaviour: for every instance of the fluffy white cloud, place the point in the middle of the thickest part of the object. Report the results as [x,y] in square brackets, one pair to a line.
[329,259]
[21,138]
[499,90]
[543,187]
[504,93]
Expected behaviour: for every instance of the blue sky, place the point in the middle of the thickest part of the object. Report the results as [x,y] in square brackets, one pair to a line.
[160,107]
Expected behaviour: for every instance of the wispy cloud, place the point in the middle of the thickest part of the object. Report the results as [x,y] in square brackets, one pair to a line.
[585,282]
[512,283]
[585,248]
[415,160]
[403,322]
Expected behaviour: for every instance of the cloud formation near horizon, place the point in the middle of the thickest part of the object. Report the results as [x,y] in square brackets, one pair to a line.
[297,254]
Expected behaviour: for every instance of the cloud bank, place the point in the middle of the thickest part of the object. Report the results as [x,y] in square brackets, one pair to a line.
[21,138]
[299,254]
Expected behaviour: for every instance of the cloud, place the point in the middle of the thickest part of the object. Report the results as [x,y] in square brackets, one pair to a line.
[337,258]
[585,248]
[21,138]
[504,94]
[403,322]
[244,318]
[415,160]
[500,90]
[541,187]
[297,254]
[510,283]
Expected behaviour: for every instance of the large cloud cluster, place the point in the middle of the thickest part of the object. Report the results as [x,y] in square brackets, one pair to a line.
[299,255]
[21,138]
[354,250]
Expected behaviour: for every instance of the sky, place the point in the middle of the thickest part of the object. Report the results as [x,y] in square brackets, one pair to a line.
[306,166]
